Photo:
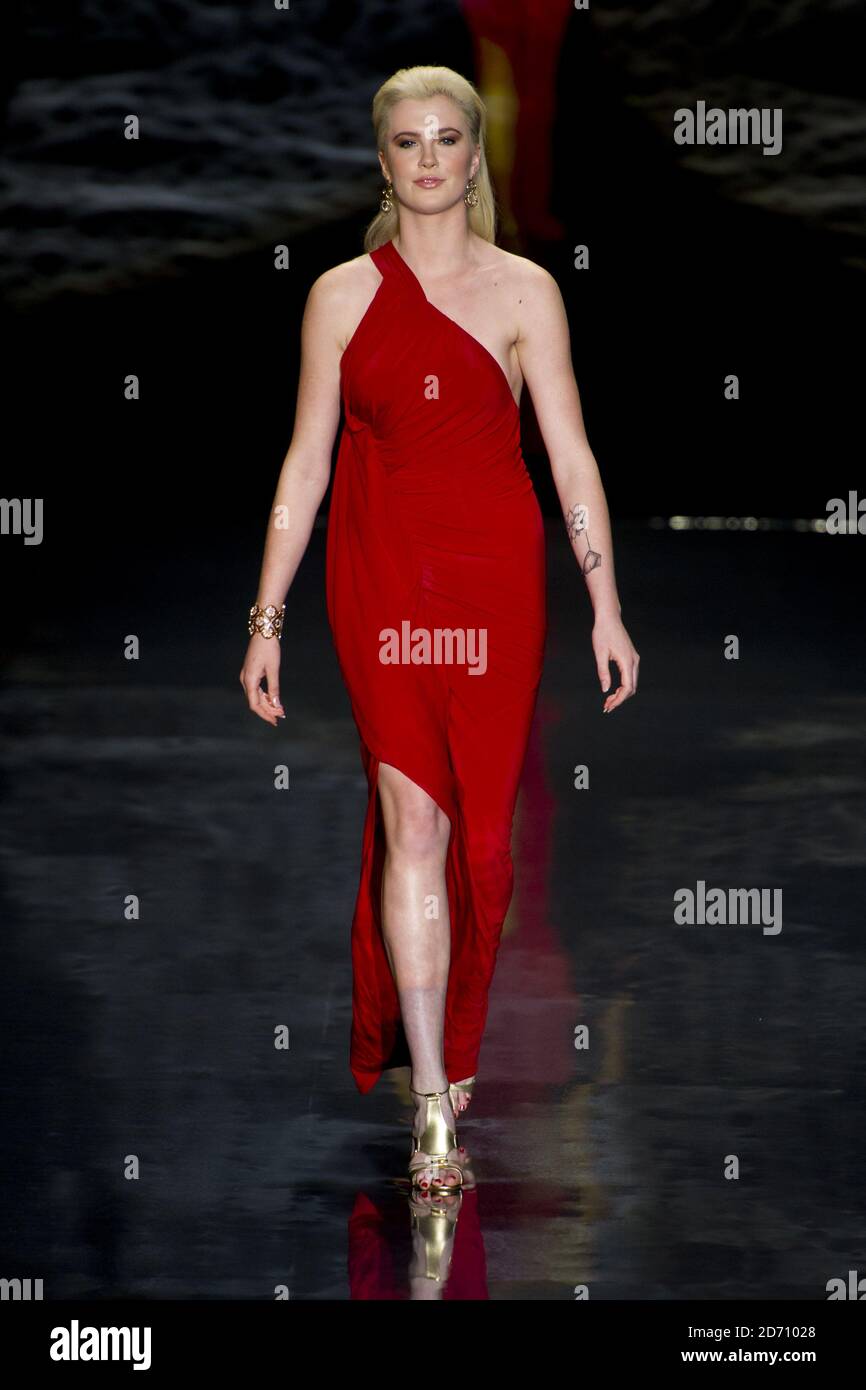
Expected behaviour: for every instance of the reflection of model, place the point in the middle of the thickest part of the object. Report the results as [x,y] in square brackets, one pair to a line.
[435,552]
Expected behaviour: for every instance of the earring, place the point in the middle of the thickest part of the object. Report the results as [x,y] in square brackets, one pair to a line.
[387,194]
[471,198]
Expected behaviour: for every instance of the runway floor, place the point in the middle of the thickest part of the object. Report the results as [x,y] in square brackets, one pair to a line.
[157,1143]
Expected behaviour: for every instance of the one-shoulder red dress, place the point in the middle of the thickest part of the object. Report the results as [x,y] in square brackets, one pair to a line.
[436,599]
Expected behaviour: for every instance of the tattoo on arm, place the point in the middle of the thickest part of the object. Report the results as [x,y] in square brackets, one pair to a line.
[576,522]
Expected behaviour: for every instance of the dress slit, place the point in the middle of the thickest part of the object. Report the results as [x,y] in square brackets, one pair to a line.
[385,1046]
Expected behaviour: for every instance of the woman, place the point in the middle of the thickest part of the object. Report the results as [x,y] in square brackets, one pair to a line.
[435,579]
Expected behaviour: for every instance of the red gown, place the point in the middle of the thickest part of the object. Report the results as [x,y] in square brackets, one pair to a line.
[434,522]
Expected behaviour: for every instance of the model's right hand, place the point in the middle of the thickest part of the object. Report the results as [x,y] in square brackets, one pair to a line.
[263,660]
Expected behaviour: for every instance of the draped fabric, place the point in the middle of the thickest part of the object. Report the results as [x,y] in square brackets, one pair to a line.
[434,528]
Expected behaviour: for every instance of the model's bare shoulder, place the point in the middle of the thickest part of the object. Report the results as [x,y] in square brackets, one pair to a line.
[339,296]
[515,270]
[530,276]
[536,294]
[531,291]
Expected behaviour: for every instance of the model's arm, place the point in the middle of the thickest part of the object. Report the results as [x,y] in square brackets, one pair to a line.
[544,350]
[302,482]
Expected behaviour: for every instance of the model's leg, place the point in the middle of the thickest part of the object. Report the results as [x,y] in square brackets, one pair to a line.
[417,930]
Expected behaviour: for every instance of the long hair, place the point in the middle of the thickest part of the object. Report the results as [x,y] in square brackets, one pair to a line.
[418,84]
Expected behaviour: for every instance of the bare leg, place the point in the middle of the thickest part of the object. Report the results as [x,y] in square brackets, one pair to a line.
[417,930]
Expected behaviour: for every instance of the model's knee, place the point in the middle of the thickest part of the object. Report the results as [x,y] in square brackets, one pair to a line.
[415,827]
[418,832]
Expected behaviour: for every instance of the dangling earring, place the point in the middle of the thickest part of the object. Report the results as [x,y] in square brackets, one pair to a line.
[387,194]
[471,198]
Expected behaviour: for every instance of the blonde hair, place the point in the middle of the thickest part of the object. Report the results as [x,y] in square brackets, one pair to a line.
[418,84]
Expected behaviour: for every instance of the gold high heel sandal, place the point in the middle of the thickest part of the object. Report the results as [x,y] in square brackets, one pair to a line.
[431,1149]
[460,1086]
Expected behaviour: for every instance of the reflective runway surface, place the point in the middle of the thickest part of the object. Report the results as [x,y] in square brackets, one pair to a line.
[663,1110]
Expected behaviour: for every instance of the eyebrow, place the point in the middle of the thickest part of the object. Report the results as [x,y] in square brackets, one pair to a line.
[443,130]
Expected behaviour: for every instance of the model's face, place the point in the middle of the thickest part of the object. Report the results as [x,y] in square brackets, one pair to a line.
[428,155]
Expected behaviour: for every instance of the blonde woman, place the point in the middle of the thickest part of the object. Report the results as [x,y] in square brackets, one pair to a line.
[435,579]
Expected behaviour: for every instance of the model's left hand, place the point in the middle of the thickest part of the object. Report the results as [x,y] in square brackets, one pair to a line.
[611,642]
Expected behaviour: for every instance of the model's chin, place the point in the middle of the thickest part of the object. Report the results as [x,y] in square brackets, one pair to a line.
[431,199]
